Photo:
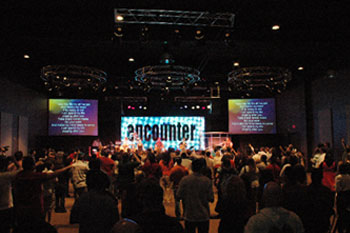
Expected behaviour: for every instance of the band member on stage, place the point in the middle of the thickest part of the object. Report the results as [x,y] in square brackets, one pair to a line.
[183,144]
[125,144]
[96,144]
[158,146]
[227,144]
[140,147]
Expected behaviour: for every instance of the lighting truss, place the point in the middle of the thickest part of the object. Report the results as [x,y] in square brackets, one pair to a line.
[174,17]
[167,77]
[260,78]
[68,76]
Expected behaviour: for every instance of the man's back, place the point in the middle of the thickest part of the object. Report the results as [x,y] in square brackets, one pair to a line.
[95,211]
[196,191]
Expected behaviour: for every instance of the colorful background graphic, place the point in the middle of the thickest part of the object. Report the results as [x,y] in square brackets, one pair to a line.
[252,116]
[69,117]
[197,142]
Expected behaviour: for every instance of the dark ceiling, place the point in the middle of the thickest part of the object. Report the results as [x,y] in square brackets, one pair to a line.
[313,34]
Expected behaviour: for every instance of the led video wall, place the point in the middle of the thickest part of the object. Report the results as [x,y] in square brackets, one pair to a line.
[252,116]
[69,117]
[170,130]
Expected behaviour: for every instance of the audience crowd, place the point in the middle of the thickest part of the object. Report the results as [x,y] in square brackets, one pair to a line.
[258,190]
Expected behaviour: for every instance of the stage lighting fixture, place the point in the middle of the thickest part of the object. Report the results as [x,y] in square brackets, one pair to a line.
[185,106]
[145,108]
[193,107]
[300,68]
[63,77]
[131,59]
[120,18]
[236,64]
[199,34]
[259,79]
[197,106]
[275,27]
[119,31]
[209,106]
[26,56]
[203,108]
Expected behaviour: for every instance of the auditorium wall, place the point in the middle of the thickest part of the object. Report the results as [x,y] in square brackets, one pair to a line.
[291,116]
[331,108]
[23,116]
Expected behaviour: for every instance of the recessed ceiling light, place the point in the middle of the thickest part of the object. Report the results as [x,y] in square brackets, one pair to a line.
[120,18]
[275,27]
[131,59]
[300,68]
[26,56]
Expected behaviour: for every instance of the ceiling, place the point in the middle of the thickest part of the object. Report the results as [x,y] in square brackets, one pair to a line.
[313,34]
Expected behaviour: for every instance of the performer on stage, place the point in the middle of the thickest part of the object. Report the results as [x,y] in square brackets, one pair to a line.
[125,144]
[227,144]
[96,144]
[158,146]
[183,145]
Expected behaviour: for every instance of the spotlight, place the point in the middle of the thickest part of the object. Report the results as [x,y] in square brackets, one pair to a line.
[236,64]
[197,106]
[131,59]
[119,31]
[185,106]
[133,108]
[144,108]
[300,68]
[140,107]
[120,18]
[129,107]
[199,34]
[209,106]
[203,108]
[193,107]
[275,27]
[26,56]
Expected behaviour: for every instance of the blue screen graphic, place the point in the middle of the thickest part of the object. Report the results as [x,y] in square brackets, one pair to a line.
[171,131]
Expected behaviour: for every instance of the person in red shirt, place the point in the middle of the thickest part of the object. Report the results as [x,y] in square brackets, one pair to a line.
[166,163]
[176,174]
[28,193]
[151,168]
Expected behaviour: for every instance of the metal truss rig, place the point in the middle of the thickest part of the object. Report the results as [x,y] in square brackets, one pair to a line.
[249,79]
[173,17]
[67,76]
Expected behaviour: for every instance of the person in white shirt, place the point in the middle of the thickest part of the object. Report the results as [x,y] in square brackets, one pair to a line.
[6,199]
[79,170]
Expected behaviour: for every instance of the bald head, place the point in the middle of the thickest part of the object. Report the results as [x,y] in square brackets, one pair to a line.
[272,195]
